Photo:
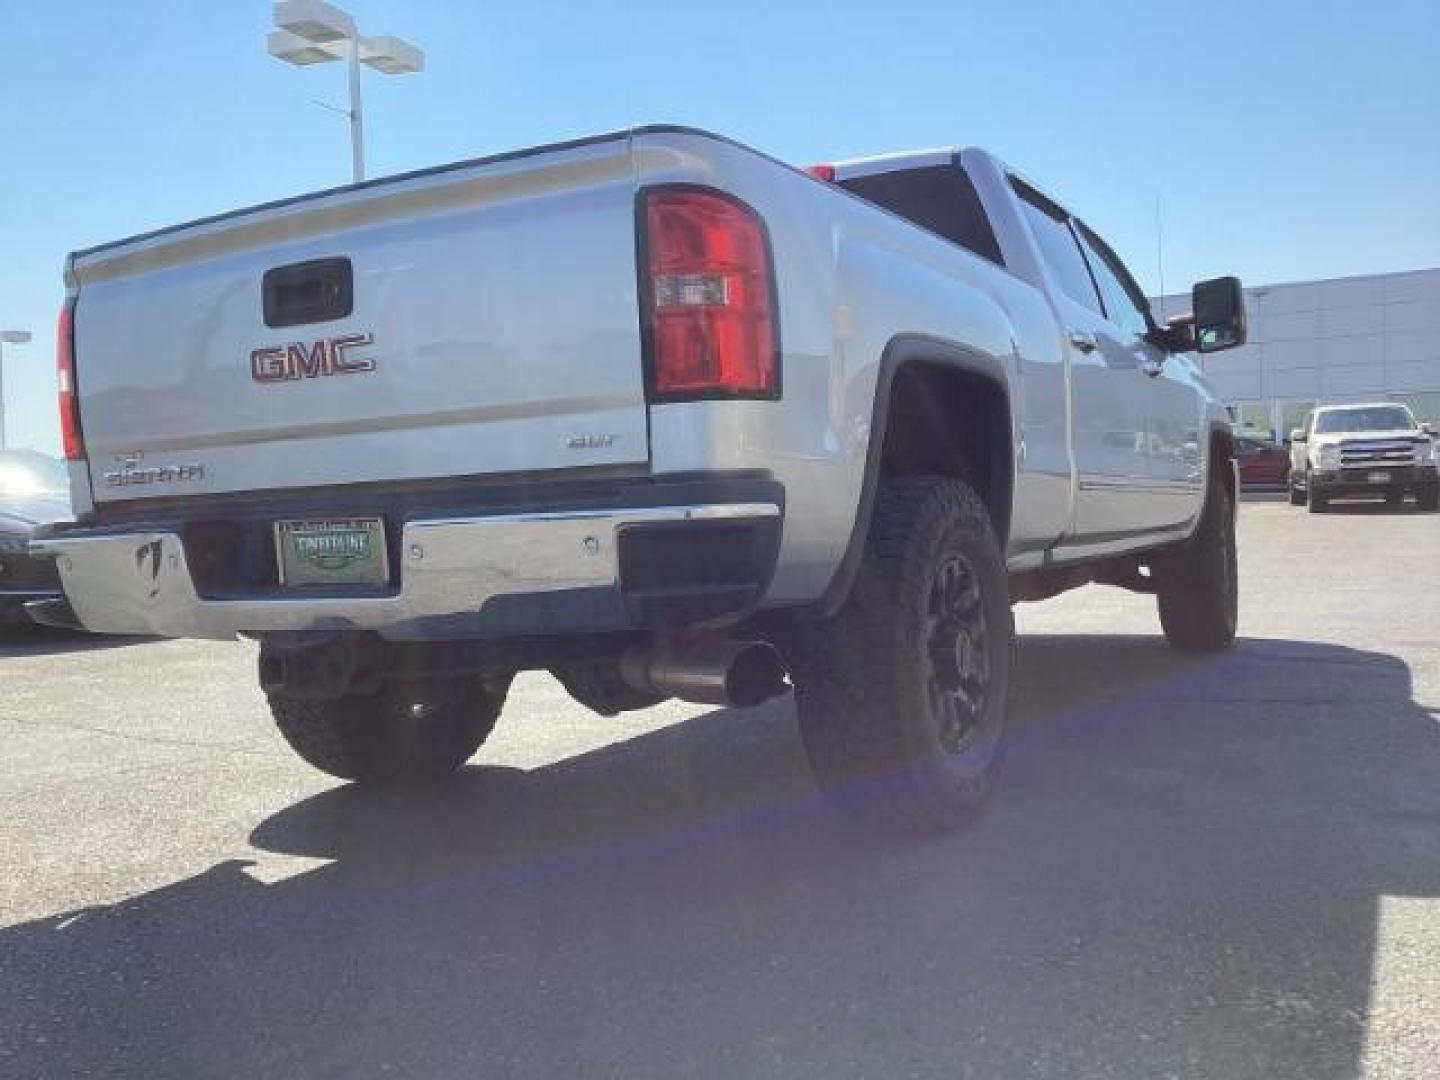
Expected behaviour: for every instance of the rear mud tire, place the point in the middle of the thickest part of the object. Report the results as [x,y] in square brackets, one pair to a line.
[903,695]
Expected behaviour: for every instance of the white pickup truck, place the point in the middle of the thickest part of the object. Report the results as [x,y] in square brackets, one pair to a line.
[1378,449]
[657,413]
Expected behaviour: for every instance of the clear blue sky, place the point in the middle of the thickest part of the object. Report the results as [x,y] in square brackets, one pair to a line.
[1286,140]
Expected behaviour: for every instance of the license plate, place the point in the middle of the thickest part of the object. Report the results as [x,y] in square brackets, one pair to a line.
[1379,478]
[333,551]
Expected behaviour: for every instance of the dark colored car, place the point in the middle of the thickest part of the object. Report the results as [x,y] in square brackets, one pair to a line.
[1263,464]
[34,490]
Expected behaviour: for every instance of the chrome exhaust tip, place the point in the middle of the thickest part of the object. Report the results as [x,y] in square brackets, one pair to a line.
[740,674]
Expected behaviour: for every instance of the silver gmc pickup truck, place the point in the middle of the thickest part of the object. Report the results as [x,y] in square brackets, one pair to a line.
[654,412]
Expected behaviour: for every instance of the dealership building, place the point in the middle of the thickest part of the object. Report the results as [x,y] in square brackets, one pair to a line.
[1370,338]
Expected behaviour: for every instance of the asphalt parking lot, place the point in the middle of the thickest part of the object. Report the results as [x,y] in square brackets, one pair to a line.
[1216,867]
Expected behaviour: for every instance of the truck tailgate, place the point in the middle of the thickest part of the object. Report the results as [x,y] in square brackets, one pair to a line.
[491,328]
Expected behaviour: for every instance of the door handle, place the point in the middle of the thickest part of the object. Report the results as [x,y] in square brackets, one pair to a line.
[1084,342]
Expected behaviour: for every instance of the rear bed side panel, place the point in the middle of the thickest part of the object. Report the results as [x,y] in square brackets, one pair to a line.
[794,436]
[851,279]
[501,302]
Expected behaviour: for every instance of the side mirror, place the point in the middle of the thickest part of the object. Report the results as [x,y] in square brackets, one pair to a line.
[1219,306]
[1297,435]
[1428,428]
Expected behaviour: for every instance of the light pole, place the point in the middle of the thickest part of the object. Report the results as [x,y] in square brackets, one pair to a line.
[7,337]
[314,32]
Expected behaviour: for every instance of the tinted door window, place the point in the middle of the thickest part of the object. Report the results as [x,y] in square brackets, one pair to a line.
[1116,286]
[1058,247]
[939,198]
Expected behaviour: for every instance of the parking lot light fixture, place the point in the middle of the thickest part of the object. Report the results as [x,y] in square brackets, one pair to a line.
[296,50]
[314,20]
[313,32]
[391,55]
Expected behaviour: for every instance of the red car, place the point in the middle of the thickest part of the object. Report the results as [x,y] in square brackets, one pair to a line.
[1263,464]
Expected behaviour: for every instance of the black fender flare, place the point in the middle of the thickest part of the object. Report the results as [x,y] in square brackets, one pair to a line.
[901,351]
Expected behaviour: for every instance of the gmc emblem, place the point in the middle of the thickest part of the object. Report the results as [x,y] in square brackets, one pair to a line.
[302,360]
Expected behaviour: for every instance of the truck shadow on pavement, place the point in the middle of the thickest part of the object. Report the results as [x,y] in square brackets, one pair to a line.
[1180,875]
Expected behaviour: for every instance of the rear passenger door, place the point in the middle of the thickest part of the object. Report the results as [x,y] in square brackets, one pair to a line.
[1107,413]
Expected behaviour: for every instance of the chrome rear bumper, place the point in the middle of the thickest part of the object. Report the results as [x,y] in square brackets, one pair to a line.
[140,582]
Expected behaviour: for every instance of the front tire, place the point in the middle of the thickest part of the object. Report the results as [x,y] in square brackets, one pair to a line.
[903,695]
[1314,501]
[406,731]
[1428,498]
[1197,586]
[1297,497]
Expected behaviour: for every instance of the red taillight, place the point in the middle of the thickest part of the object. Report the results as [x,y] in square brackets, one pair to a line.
[822,172]
[708,297]
[70,438]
